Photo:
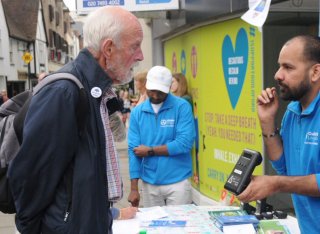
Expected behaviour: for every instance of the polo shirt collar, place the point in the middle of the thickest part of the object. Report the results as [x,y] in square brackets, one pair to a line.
[295,106]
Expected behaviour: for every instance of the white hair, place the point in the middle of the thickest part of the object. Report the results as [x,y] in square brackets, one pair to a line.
[102,24]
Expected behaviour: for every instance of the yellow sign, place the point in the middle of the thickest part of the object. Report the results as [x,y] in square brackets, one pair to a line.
[222,63]
[27,57]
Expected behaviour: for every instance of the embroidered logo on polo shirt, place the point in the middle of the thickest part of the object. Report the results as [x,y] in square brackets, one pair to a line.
[167,123]
[312,138]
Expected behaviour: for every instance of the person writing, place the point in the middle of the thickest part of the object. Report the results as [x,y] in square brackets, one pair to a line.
[294,151]
[40,174]
[160,138]
[124,213]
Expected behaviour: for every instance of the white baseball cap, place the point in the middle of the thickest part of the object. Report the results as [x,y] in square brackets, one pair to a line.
[159,78]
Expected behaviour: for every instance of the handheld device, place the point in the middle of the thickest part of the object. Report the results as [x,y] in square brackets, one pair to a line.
[280,214]
[240,176]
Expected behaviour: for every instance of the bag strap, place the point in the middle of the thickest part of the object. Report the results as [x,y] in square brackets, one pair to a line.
[81,109]
[54,77]
[18,121]
[2,136]
[82,105]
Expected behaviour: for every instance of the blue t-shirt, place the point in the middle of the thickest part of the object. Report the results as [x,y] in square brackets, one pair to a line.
[172,126]
[301,156]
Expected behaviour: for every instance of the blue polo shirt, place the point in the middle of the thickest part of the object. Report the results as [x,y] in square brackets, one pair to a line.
[301,156]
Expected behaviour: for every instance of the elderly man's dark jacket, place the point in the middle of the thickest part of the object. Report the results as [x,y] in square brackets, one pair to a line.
[52,149]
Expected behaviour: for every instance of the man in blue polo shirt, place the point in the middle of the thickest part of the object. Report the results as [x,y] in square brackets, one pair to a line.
[294,151]
[160,138]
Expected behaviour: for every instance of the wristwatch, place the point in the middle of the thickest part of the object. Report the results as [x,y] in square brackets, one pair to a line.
[151,152]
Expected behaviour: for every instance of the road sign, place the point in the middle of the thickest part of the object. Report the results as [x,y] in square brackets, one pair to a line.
[27,57]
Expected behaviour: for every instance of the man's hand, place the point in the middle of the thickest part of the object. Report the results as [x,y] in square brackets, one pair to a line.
[134,198]
[267,105]
[128,212]
[141,150]
[260,187]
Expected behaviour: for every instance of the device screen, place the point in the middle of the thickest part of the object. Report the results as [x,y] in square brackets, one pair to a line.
[247,156]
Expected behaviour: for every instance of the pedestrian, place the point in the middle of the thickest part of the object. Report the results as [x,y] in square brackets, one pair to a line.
[179,87]
[126,107]
[295,150]
[117,127]
[140,80]
[160,138]
[1,99]
[41,76]
[4,95]
[54,152]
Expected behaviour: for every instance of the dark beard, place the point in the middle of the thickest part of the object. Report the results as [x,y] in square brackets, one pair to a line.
[155,101]
[294,94]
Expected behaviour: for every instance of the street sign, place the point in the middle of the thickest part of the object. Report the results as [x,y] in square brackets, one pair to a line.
[27,57]
[85,6]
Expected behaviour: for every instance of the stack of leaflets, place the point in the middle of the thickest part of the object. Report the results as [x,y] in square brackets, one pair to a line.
[164,223]
[232,217]
[234,212]
[272,227]
[222,221]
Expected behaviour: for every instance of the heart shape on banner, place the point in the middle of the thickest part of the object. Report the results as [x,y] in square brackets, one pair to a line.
[234,61]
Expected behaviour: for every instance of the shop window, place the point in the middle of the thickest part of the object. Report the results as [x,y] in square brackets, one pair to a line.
[59,55]
[52,54]
[51,13]
[57,18]
[50,41]
[65,27]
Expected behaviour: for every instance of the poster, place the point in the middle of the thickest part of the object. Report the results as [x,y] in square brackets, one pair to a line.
[223,66]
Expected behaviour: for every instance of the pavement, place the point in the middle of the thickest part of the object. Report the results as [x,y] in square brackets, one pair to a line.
[122,148]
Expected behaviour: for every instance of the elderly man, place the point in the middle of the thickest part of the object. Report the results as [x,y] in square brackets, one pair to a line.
[161,135]
[54,153]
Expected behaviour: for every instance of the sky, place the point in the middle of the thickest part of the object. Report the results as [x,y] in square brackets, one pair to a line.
[71,4]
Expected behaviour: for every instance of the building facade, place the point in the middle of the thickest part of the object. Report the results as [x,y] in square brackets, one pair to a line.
[46,39]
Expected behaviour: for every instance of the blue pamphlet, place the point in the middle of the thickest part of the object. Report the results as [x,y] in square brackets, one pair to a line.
[221,221]
[233,220]
[167,223]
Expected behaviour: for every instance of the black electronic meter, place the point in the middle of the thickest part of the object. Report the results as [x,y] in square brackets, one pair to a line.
[242,171]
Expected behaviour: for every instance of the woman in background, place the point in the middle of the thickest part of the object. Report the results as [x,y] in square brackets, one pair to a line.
[140,80]
[179,87]
[126,108]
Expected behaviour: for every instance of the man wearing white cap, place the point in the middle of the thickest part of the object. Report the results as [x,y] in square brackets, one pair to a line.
[160,138]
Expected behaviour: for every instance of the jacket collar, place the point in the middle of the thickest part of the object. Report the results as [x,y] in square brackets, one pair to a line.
[90,70]
[167,104]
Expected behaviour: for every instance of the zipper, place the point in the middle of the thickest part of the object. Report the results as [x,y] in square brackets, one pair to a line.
[67,212]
